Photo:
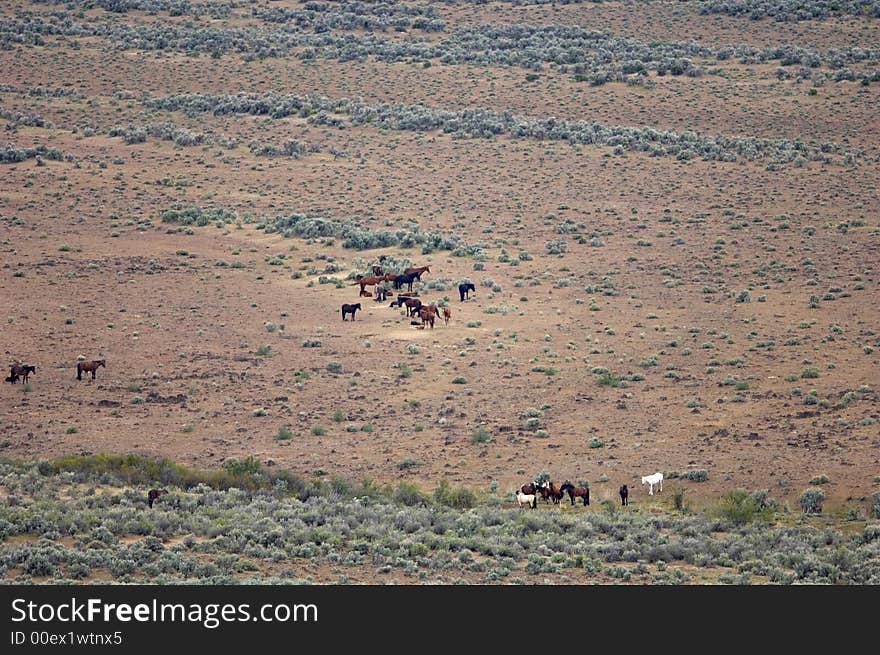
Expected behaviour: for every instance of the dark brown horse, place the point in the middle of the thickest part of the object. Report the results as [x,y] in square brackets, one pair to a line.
[22,371]
[377,270]
[417,271]
[624,495]
[412,304]
[89,367]
[573,491]
[153,494]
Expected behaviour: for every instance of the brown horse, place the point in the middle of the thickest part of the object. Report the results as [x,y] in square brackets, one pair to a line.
[377,270]
[573,491]
[417,271]
[624,495]
[556,493]
[447,314]
[370,281]
[89,367]
[412,304]
[22,371]
[428,313]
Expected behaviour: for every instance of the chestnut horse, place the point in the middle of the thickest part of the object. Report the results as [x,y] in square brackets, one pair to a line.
[428,313]
[370,281]
[89,367]
[447,314]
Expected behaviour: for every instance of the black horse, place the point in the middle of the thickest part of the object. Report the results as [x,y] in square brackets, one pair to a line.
[12,378]
[400,280]
[350,309]
[464,288]
[624,495]
[153,494]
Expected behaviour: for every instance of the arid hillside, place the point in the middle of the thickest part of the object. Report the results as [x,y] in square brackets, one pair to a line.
[668,210]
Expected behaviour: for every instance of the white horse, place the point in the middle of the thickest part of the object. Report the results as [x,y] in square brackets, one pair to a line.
[526,499]
[651,480]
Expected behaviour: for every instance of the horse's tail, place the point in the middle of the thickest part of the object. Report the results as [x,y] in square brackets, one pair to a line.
[79,370]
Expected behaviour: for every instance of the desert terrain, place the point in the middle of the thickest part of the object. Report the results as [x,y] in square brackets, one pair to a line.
[669,214]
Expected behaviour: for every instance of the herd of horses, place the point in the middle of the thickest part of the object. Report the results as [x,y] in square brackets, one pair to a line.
[19,372]
[527,495]
[422,314]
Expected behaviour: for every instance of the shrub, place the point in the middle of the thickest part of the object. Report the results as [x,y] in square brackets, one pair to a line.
[409,494]
[739,507]
[480,435]
[457,498]
[811,501]
[699,475]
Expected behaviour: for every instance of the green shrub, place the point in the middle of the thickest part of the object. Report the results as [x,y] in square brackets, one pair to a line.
[409,494]
[480,435]
[739,507]
[455,497]
[811,501]
[698,475]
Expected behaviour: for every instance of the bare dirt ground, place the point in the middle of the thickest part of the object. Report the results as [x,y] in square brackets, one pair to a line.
[89,269]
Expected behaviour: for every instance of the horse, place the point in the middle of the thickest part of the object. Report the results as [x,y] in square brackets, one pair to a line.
[350,309]
[400,280]
[377,270]
[582,492]
[412,304]
[89,367]
[12,378]
[428,313]
[370,281]
[417,272]
[153,494]
[624,495]
[21,371]
[447,314]
[526,499]
[556,493]
[651,480]
[381,293]
[464,288]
